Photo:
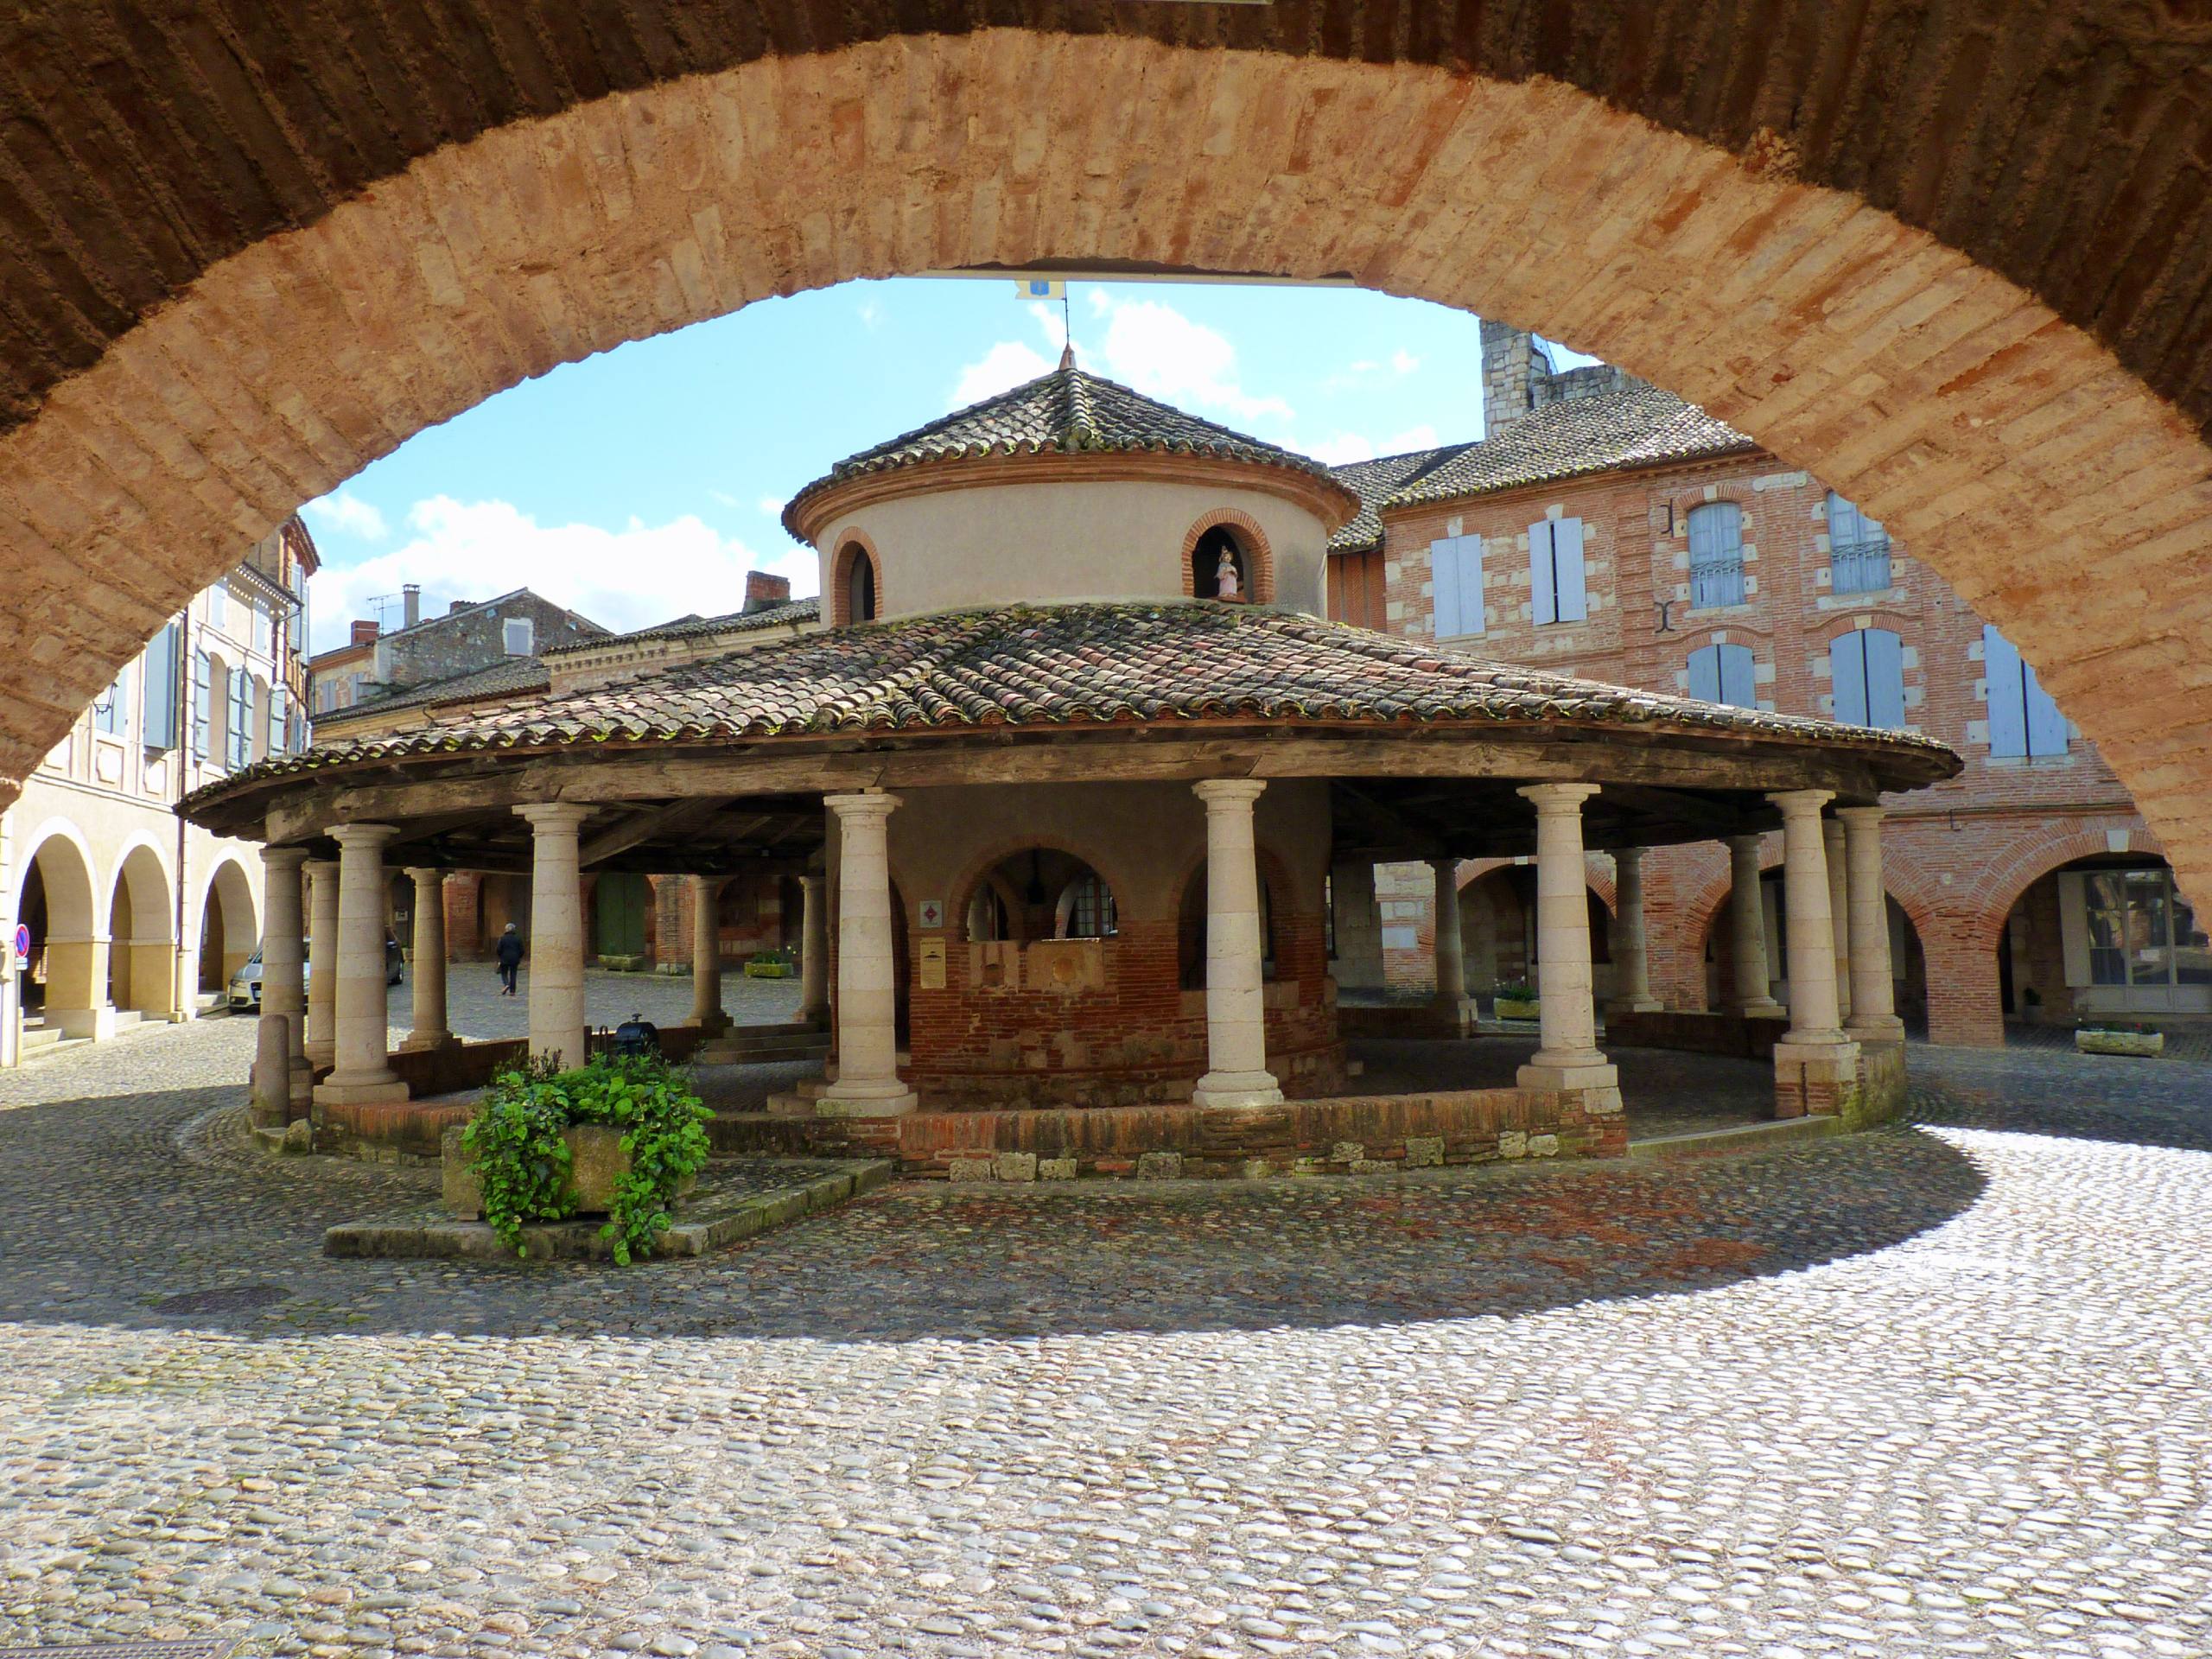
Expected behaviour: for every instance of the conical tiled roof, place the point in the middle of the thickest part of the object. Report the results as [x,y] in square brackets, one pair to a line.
[1065,412]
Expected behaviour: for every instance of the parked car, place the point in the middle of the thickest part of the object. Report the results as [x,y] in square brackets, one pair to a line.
[246,984]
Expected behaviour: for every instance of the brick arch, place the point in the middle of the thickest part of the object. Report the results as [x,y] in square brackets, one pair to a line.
[1258,550]
[2003,442]
[978,868]
[849,544]
[1481,869]
[1999,886]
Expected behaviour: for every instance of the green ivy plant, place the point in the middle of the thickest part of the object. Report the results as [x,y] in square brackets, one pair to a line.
[524,1168]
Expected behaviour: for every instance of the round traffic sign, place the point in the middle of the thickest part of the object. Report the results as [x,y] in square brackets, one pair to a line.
[22,939]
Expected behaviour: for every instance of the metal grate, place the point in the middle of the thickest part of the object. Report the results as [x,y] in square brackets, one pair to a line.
[212,1647]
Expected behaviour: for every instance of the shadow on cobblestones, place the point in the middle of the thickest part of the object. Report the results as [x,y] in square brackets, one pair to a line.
[2056,1091]
[149,1211]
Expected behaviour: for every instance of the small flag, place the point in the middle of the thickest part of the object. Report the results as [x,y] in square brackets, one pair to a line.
[1041,288]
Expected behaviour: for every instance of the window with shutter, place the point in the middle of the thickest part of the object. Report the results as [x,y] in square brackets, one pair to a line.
[1456,571]
[1725,674]
[1556,586]
[238,750]
[1716,555]
[2024,720]
[203,699]
[279,719]
[161,689]
[1859,550]
[1867,667]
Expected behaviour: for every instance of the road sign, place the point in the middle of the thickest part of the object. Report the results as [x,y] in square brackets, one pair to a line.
[22,947]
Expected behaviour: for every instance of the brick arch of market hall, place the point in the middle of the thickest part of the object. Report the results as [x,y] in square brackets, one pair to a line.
[1954,266]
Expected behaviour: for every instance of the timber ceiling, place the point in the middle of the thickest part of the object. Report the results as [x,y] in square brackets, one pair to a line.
[2066,145]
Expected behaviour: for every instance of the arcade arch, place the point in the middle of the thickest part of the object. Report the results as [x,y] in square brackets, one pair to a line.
[142,946]
[2000,438]
[229,930]
[67,978]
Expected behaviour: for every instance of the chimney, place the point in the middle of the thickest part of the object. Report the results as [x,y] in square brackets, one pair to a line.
[410,599]
[457,607]
[365,633]
[762,590]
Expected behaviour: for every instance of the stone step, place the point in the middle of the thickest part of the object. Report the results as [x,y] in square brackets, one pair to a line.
[1748,1137]
[760,1050]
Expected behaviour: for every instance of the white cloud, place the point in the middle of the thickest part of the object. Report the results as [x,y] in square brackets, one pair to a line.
[627,578]
[1005,365]
[1155,348]
[771,506]
[871,315]
[1404,362]
[1348,447]
[348,514]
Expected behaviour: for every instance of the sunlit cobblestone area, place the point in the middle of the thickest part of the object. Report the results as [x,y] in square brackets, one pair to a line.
[1937,1390]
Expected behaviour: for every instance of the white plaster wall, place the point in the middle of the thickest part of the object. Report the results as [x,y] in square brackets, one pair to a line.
[1122,538]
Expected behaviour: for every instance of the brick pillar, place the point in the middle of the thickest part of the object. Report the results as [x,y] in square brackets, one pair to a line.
[1966,1005]
[1237,1035]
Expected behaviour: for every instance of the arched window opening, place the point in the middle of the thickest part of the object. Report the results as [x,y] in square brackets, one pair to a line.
[1191,932]
[1866,667]
[1040,892]
[1221,568]
[859,583]
[1716,555]
[1725,673]
[1859,550]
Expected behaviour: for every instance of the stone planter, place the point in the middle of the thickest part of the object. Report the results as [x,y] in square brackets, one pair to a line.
[768,970]
[2143,1043]
[1514,1007]
[596,1166]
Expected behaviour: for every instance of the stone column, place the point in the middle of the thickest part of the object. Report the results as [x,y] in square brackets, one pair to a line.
[1236,1030]
[555,962]
[430,1030]
[321,1039]
[868,1082]
[283,992]
[1873,995]
[361,1073]
[1567,1055]
[1747,923]
[1838,909]
[814,950]
[1631,941]
[1815,1066]
[706,956]
[1450,951]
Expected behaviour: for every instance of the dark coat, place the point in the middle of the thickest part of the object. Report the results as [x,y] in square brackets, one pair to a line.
[510,950]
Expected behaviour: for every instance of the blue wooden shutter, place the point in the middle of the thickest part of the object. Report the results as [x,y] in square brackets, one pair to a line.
[1472,618]
[1444,573]
[1705,673]
[1739,683]
[2046,726]
[1847,669]
[160,699]
[1543,587]
[1884,678]
[279,709]
[203,696]
[1572,587]
[2008,712]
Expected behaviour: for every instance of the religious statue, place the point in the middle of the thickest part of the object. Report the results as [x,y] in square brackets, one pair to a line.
[1224,576]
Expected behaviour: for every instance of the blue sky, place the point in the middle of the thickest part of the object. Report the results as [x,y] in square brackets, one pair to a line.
[640,485]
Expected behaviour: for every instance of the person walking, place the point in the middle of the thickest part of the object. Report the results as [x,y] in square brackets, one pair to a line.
[510,959]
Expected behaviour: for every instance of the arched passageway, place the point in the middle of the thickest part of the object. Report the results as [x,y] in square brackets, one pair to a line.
[1497,933]
[142,949]
[66,982]
[1943,358]
[2106,936]
[229,932]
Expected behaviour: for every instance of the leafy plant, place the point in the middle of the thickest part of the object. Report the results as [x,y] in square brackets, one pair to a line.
[524,1167]
[774,956]
[1515,991]
[2127,1027]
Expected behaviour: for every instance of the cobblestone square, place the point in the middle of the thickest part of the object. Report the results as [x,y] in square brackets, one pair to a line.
[1937,1389]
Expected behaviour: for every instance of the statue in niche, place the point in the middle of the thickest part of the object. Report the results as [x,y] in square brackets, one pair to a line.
[1228,585]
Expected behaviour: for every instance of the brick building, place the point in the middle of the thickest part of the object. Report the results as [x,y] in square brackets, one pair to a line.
[1606,528]
[373,665]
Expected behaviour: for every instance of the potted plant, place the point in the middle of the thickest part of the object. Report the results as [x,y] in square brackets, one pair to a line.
[2100,1036]
[1516,999]
[769,964]
[621,1137]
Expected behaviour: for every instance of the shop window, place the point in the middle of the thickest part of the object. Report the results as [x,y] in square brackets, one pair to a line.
[1557,590]
[1725,673]
[1859,550]
[1455,564]
[1716,555]
[2141,931]
[2023,721]
[1867,669]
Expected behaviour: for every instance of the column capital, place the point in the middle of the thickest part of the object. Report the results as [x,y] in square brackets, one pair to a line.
[314,864]
[1746,843]
[369,836]
[1221,794]
[874,804]
[425,875]
[284,858]
[1629,855]
[812,882]
[1551,798]
[1801,802]
[552,816]
[1449,867]
[1862,814]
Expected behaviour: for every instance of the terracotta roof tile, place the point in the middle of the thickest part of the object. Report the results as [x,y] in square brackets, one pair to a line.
[789,612]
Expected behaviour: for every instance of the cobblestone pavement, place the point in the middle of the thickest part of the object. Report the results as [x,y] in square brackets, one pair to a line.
[1937,1390]
[1666,1093]
[475,1009]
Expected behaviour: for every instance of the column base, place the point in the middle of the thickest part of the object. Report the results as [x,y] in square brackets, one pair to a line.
[1236,1089]
[387,1091]
[1764,1008]
[322,1054]
[415,1043]
[1461,1015]
[1556,1075]
[900,1102]
[1815,1079]
[1635,1005]
[1887,1029]
[711,1025]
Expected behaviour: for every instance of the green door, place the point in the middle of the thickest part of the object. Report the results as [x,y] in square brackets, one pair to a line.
[621,898]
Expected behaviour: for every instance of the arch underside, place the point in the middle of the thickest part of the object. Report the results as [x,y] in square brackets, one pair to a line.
[2048,482]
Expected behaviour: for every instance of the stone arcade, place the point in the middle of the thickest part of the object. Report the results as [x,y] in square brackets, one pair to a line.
[1066,767]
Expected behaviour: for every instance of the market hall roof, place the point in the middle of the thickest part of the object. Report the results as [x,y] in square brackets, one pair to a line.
[1123,670]
[1642,426]
[1067,412]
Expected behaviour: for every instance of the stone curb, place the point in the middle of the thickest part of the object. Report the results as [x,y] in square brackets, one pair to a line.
[712,1226]
[1749,1137]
